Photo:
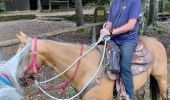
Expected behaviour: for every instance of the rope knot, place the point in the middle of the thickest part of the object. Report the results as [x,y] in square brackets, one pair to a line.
[64,85]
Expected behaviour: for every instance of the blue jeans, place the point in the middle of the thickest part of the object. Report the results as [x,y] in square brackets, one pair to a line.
[127,50]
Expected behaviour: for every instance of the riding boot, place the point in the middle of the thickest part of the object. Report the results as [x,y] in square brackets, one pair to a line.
[115,62]
[115,56]
[113,69]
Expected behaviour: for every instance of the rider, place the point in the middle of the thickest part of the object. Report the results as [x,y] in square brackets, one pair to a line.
[123,24]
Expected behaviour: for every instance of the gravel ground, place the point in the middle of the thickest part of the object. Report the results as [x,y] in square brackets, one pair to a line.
[8,29]
[31,27]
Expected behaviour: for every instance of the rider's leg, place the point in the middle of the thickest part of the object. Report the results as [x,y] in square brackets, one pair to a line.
[127,50]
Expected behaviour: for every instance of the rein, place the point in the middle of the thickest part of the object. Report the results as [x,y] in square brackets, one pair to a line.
[77,67]
[64,85]
[80,92]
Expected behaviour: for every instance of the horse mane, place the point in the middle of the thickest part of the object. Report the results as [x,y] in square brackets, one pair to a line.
[59,41]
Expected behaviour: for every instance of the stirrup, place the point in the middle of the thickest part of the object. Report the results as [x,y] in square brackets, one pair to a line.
[112,76]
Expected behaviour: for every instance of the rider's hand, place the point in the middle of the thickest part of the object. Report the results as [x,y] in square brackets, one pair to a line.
[103,33]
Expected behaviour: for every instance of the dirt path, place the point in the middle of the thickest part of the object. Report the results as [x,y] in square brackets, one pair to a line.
[41,14]
[31,27]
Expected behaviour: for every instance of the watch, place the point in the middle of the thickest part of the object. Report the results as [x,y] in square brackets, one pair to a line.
[111,30]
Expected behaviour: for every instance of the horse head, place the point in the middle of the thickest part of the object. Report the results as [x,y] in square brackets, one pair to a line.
[33,62]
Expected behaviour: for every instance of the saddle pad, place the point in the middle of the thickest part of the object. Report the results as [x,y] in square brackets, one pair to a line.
[142,55]
[137,69]
[139,47]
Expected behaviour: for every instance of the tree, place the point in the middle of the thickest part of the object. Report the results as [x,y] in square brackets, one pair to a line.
[2,6]
[153,11]
[39,5]
[102,2]
[79,12]
[161,5]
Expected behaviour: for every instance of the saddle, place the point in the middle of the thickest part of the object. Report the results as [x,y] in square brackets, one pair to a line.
[142,58]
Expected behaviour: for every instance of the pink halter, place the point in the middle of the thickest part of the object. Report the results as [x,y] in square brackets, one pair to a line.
[34,64]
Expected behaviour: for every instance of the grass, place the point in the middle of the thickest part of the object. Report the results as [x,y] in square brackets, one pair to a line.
[87,18]
[71,93]
[17,17]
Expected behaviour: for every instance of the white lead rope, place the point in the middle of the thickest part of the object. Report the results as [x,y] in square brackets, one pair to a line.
[93,46]
[104,50]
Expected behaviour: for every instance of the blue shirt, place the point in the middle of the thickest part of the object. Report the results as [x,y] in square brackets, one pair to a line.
[132,10]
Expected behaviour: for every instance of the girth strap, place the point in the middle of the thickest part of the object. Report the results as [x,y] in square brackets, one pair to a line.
[95,81]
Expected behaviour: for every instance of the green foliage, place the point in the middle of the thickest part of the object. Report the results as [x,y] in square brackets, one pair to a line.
[102,2]
[2,7]
[17,17]
[82,31]
[95,3]
[71,93]
[167,5]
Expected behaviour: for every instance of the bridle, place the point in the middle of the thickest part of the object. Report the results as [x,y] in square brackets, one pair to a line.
[33,66]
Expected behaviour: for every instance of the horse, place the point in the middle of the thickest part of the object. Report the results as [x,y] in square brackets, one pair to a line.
[59,55]
[10,88]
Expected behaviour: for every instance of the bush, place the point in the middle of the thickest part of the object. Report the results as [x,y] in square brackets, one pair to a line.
[167,5]
[2,7]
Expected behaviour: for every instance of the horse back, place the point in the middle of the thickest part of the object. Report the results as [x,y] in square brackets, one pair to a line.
[159,65]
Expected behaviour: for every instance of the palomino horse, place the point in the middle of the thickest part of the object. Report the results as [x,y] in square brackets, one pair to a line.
[9,87]
[59,56]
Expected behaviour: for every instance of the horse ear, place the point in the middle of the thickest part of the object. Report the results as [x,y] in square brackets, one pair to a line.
[22,37]
[23,34]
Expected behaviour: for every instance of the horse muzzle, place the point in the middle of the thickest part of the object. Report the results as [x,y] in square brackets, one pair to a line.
[24,82]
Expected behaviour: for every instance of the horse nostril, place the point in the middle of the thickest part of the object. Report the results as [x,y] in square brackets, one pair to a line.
[25,84]
[31,77]
[22,82]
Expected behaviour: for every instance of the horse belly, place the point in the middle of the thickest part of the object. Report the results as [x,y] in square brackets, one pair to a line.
[139,80]
[102,91]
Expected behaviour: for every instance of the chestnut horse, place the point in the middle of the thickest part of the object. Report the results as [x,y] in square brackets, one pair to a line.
[59,56]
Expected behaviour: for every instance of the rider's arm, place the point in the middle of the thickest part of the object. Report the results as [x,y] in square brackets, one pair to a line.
[125,28]
[134,16]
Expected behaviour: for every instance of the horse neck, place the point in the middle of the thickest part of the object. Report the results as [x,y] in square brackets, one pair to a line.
[60,56]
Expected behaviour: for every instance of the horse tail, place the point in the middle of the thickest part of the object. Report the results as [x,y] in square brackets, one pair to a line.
[154,89]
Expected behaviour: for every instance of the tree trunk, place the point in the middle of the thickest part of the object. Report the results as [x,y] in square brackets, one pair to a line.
[49,3]
[153,11]
[22,5]
[147,3]
[79,12]
[161,5]
[39,5]
[144,8]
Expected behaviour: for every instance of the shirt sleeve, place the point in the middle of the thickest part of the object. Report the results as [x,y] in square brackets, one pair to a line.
[110,16]
[136,10]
